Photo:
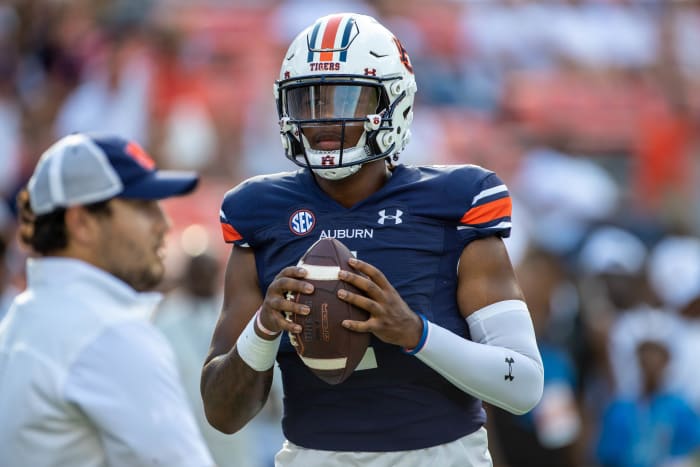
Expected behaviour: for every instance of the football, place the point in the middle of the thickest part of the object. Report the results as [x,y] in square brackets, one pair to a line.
[329,350]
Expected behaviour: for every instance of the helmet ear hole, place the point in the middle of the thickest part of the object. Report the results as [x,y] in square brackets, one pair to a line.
[387,139]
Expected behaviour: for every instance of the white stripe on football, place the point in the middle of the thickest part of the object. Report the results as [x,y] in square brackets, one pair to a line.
[325,363]
[320,273]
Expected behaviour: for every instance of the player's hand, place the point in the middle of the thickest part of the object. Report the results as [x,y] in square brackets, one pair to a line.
[391,320]
[279,300]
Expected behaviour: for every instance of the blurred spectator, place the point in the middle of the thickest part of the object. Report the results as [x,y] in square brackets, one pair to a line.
[610,271]
[656,428]
[566,194]
[292,16]
[187,318]
[627,331]
[614,253]
[7,291]
[10,110]
[113,96]
[674,269]
[613,282]
[546,436]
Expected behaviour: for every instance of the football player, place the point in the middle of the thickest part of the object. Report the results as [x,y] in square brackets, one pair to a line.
[448,322]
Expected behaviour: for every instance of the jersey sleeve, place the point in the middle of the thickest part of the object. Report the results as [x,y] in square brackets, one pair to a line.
[237,218]
[486,204]
[231,235]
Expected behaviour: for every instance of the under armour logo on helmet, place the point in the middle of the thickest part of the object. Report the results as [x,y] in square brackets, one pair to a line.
[383,216]
[328,160]
[370,72]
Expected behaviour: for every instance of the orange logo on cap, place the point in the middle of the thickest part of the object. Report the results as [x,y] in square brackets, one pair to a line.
[140,156]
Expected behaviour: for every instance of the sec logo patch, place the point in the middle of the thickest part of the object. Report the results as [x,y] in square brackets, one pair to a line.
[302,222]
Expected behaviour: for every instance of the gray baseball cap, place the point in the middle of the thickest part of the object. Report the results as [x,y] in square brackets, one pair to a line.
[85,168]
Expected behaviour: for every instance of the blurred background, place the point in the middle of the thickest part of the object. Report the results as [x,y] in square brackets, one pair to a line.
[588,109]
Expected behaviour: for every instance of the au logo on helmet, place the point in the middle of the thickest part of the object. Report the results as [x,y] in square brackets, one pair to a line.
[403,55]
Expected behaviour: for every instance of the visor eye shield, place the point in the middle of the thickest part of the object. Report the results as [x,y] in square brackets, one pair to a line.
[332,102]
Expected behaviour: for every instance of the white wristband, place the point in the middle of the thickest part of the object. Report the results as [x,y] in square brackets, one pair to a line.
[258,353]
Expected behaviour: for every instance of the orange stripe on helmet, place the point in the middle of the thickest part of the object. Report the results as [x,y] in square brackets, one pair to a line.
[230,234]
[329,37]
[488,212]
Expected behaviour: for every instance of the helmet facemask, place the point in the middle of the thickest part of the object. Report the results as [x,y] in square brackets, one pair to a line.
[334,124]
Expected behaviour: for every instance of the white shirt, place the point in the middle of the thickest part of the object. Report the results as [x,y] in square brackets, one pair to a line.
[187,323]
[86,379]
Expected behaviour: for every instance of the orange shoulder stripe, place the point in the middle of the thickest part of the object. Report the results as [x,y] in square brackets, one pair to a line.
[487,212]
[230,234]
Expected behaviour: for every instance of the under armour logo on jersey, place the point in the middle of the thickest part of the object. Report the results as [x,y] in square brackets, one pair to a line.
[383,216]
[509,376]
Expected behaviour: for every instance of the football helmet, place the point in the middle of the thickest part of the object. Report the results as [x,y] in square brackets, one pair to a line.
[345,95]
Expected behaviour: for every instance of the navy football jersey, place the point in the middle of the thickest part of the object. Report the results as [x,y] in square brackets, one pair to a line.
[413,229]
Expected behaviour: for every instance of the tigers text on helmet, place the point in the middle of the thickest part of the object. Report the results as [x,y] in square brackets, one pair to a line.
[345,95]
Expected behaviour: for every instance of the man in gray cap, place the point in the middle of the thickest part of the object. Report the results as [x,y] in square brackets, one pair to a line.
[86,378]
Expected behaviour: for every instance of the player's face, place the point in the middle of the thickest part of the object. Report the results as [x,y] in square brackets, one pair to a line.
[132,242]
[329,102]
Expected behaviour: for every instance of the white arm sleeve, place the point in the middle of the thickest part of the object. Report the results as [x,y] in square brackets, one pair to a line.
[501,365]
